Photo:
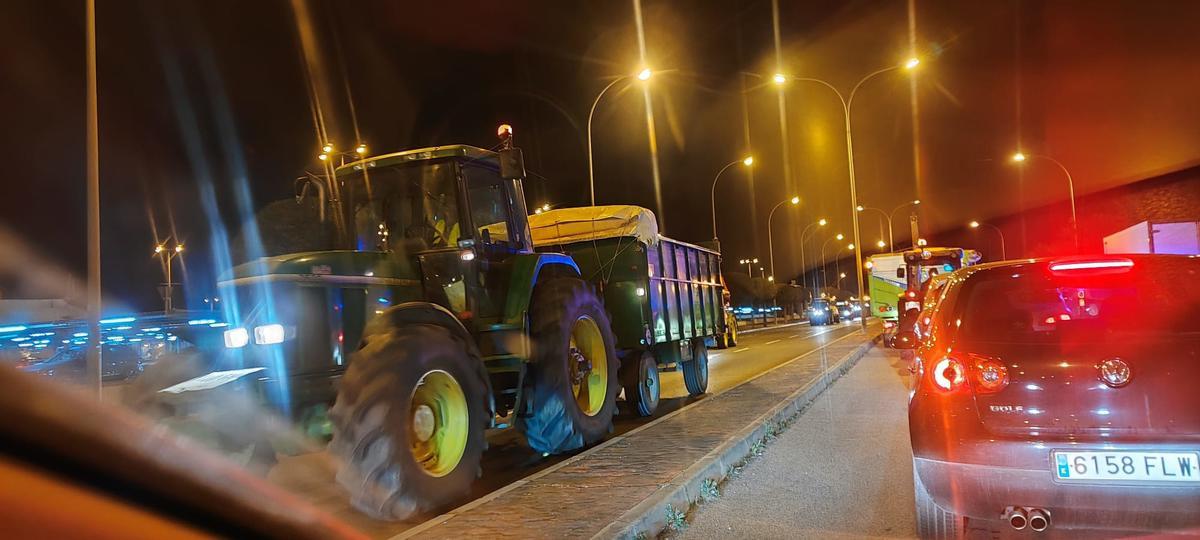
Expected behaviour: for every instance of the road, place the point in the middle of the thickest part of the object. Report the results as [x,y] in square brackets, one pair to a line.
[842,470]
[508,460]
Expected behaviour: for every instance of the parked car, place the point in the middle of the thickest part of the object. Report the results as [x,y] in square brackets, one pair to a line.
[822,312]
[1060,394]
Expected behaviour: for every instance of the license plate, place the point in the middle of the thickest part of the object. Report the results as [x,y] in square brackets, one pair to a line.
[1137,467]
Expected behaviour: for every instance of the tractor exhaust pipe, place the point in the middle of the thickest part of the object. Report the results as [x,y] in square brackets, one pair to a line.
[1017,517]
[1039,520]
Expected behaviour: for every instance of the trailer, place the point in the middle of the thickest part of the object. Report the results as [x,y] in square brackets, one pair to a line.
[1180,238]
[664,297]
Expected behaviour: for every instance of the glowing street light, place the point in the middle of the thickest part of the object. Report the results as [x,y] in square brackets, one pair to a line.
[779,78]
[323,157]
[975,225]
[747,161]
[643,75]
[847,102]
[167,256]
[361,149]
[327,148]
[770,241]
[889,215]
[881,244]
[1019,157]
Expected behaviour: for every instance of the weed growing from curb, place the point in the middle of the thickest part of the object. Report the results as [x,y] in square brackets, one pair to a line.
[709,490]
[676,519]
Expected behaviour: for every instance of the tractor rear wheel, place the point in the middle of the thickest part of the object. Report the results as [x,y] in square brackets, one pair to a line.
[695,371]
[573,384]
[408,425]
[641,382]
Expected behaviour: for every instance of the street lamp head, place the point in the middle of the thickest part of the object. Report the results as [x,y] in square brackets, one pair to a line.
[546,207]
[839,236]
[1018,157]
[916,201]
[822,222]
[771,278]
[537,210]
[756,260]
[795,200]
[159,249]
[323,157]
[974,224]
[779,78]
[361,149]
[922,242]
[868,265]
[881,244]
[912,63]
[179,248]
[850,247]
[644,74]
[327,148]
[748,161]
[843,275]
[859,208]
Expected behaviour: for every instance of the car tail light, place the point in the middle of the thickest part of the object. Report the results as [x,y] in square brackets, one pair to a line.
[990,375]
[1107,265]
[889,324]
[948,375]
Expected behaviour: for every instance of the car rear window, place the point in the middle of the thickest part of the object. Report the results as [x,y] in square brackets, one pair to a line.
[1029,303]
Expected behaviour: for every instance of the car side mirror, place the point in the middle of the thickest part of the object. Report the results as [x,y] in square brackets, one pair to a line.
[905,340]
[512,164]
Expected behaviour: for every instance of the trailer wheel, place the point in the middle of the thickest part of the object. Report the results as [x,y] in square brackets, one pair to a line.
[408,424]
[731,332]
[641,381]
[573,382]
[695,371]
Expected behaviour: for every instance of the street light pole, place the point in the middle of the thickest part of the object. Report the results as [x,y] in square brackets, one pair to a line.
[747,161]
[976,225]
[846,105]
[892,215]
[803,265]
[770,242]
[824,275]
[168,256]
[641,75]
[93,206]
[1021,157]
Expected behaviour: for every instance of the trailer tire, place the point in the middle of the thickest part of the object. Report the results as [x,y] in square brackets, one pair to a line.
[409,421]
[642,385]
[695,371]
[572,380]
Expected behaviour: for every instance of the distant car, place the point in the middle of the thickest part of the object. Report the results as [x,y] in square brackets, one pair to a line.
[821,312]
[845,311]
[1060,394]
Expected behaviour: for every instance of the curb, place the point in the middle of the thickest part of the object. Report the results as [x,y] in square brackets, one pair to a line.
[648,518]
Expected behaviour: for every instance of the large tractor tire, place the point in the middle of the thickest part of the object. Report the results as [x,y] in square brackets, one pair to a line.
[695,371]
[408,424]
[572,381]
[640,378]
[731,333]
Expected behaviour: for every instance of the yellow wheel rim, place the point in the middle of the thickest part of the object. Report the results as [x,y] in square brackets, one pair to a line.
[588,366]
[439,422]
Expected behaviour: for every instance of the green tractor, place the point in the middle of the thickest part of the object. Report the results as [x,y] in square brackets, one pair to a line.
[435,321]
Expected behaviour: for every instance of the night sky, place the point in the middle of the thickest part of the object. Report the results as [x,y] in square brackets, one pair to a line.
[216,95]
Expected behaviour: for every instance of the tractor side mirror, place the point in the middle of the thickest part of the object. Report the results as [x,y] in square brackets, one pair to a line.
[512,164]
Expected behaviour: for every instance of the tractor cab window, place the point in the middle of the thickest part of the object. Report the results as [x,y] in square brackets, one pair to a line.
[489,205]
[406,208]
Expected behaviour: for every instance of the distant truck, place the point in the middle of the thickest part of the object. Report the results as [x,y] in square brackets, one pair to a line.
[896,279]
[1180,238]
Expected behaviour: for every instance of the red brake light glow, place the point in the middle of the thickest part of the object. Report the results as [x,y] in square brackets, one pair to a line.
[948,374]
[990,375]
[1095,264]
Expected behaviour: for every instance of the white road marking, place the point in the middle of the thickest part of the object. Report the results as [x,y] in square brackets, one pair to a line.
[742,349]
[793,336]
[772,341]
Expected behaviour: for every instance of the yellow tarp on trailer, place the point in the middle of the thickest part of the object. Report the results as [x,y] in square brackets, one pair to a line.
[569,225]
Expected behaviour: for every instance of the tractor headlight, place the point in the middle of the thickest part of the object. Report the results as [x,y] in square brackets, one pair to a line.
[269,334]
[236,338]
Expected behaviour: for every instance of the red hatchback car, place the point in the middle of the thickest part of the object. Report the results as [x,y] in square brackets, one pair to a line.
[1060,395]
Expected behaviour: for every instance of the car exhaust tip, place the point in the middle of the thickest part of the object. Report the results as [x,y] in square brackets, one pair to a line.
[1039,520]
[1017,517]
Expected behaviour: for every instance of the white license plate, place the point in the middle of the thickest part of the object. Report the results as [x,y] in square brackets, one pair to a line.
[1174,467]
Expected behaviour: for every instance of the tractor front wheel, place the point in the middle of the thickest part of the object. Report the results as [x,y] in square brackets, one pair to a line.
[408,425]
[573,384]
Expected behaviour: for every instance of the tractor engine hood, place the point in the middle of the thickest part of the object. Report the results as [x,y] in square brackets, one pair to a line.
[349,267]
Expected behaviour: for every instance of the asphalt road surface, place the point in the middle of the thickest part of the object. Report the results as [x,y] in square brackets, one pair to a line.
[843,469]
[311,476]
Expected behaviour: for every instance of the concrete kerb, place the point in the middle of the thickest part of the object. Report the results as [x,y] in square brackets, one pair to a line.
[649,518]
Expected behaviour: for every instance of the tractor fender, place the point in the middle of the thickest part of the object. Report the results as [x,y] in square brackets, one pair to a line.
[527,272]
[430,313]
